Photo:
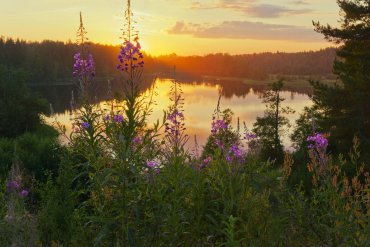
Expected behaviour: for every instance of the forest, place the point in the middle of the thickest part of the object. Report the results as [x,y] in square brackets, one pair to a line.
[50,61]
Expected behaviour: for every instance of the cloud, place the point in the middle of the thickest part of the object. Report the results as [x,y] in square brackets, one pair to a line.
[270,11]
[247,30]
[301,2]
[185,28]
[252,8]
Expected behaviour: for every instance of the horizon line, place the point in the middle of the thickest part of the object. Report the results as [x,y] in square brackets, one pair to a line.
[69,41]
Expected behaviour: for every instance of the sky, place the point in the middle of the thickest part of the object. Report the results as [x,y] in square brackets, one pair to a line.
[184,27]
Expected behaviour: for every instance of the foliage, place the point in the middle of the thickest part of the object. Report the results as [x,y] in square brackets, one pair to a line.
[19,108]
[344,107]
[39,152]
[6,156]
[337,211]
[57,219]
[175,136]
[270,127]
[222,134]
[18,226]
[22,132]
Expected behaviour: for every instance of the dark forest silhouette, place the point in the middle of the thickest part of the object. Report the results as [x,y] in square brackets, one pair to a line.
[48,62]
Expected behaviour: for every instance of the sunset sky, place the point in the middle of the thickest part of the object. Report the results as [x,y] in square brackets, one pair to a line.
[184,27]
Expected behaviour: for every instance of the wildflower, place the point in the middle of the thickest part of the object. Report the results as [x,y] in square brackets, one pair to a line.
[250,136]
[206,162]
[85,125]
[152,164]
[24,193]
[319,141]
[84,68]
[218,125]
[130,56]
[107,118]
[175,124]
[235,152]
[118,118]
[136,140]
[13,184]
[219,144]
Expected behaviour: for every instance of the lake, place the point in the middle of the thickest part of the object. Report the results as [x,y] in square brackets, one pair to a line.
[200,102]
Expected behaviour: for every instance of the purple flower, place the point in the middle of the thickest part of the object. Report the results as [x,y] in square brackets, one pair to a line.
[157,170]
[152,164]
[250,136]
[85,125]
[13,184]
[206,162]
[218,125]
[235,152]
[24,193]
[118,118]
[317,141]
[130,54]
[136,140]
[219,144]
[175,123]
[106,118]
[83,68]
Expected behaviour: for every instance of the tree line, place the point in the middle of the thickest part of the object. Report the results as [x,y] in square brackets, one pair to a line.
[50,61]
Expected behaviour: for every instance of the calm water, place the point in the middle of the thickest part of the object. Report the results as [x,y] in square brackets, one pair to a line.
[201,101]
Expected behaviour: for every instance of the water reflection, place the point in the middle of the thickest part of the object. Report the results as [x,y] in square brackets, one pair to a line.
[200,102]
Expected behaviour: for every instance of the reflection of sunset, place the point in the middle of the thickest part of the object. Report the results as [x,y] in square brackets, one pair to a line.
[200,102]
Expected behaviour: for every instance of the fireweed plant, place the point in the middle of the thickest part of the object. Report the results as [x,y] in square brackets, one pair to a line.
[87,126]
[123,149]
[337,211]
[224,141]
[175,136]
[83,67]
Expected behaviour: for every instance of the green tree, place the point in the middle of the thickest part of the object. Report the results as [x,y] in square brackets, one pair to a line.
[19,108]
[345,107]
[269,128]
[305,126]
[22,131]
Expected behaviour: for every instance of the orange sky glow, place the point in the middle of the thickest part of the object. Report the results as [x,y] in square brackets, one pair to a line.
[184,27]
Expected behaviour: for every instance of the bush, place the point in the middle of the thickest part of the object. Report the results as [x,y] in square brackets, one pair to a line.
[19,108]
[7,150]
[39,152]
[57,222]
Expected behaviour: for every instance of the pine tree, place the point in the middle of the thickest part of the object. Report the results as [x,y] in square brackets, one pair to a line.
[345,107]
[269,127]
